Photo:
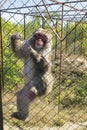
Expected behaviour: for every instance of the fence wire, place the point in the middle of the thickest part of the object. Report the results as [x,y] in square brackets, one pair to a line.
[65,107]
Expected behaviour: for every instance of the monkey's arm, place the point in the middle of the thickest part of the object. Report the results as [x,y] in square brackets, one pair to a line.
[20,48]
[40,61]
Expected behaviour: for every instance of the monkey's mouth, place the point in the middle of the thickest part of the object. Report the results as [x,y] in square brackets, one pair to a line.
[39,46]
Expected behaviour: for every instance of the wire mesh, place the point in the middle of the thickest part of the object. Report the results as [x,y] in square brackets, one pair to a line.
[65,107]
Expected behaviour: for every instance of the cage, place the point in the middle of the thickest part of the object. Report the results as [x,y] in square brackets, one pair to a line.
[65,107]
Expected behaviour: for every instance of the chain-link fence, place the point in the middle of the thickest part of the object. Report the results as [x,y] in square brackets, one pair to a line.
[65,107]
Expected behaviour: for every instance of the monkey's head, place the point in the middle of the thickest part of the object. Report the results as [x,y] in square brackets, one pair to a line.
[41,38]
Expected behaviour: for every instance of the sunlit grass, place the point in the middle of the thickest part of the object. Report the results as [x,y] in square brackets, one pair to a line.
[43,113]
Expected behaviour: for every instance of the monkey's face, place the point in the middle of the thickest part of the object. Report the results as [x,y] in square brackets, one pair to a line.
[40,40]
[39,43]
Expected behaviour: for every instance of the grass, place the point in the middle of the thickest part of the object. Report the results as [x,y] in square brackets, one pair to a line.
[43,113]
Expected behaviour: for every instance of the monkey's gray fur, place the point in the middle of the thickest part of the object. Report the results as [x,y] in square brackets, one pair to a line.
[37,70]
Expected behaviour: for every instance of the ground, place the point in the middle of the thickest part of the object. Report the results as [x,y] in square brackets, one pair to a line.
[44,116]
[46,113]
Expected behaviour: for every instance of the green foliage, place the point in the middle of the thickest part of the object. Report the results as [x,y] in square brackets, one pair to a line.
[76,94]
[32,26]
[12,66]
[76,38]
[71,88]
[13,69]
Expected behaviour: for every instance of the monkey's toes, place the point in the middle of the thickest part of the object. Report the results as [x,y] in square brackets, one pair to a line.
[18,116]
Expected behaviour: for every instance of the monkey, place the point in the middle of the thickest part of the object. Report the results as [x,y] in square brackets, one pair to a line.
[36,54]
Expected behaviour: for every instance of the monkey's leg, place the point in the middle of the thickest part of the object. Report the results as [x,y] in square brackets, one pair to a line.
[24,97]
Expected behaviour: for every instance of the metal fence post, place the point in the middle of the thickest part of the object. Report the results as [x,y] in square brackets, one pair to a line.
[1,113]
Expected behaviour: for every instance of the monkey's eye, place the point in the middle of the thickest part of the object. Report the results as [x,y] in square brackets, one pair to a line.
[40,36]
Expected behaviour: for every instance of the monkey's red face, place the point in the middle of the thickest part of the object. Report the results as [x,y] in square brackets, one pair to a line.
[39,43]
[40,40]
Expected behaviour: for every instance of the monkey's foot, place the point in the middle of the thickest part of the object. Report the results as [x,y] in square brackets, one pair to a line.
[34,90]
[17,115]
[32,95]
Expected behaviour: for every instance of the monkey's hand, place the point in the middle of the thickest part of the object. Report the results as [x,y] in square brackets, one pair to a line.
[42,65]
[40,61]
[15,41]
[34,54]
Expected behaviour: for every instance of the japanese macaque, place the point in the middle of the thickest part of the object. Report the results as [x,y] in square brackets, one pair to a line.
[36,54]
